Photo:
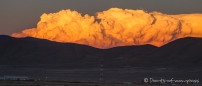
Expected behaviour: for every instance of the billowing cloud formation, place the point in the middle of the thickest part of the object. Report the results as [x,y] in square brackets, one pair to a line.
[116,27]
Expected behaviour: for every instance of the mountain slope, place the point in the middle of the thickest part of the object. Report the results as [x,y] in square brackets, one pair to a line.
[181,52]
[33,51]
[185,52]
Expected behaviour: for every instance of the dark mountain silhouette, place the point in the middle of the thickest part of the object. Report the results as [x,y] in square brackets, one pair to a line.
[182,52]
[185,52]
[39,51]
[4,37]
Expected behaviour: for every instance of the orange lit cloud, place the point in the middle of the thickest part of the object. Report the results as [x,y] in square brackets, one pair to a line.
[117,27]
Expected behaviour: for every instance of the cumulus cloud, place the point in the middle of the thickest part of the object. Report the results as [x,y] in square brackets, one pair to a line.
[117,27]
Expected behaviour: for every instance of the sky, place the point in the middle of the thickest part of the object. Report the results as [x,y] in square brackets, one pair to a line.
[17,15]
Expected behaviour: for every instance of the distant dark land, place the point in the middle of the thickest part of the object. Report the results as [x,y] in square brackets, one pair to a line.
[185,52]
[181,59]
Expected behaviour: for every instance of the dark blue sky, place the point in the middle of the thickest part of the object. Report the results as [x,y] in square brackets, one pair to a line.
[17,15]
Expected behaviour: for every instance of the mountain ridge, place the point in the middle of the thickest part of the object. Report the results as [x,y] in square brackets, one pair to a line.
[184,52]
